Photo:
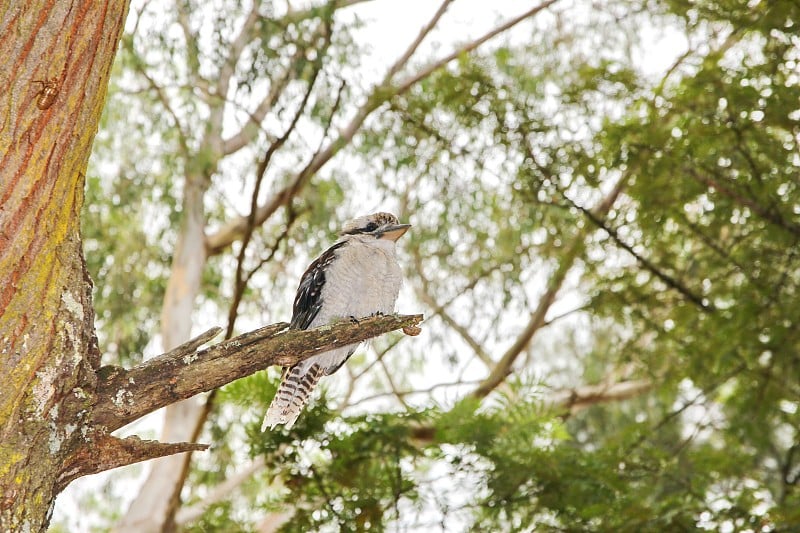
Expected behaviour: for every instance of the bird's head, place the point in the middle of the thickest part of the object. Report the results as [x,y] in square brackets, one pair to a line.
[379,225]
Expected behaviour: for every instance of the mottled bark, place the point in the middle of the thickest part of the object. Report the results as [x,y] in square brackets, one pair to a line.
[56,59]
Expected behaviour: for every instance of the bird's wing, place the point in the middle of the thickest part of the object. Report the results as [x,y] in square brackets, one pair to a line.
[308,300]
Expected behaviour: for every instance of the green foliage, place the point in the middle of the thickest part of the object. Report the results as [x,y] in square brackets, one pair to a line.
[713,211]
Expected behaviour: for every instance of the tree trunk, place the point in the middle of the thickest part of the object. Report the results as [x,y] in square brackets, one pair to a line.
[57,59]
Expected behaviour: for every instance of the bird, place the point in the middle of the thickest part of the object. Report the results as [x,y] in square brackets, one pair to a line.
[357,276]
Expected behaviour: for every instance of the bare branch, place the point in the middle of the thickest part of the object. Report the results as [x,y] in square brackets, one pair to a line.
[646,263]
[411,392]
[212,139]
[249,131]
[126,395]
[424,295]
[240,279]
[403,59]
[469,47]
[378,356]
[235,51]
[579,398]
[104,452]
[395,391]
[571,399]
[167,106]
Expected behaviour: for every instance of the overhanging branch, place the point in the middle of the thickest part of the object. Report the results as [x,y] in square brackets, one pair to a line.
[126,395]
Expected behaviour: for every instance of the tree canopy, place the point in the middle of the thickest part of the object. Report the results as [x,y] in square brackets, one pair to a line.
[605,251]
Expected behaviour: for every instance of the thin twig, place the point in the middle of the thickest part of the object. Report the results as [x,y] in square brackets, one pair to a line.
[240,282]
[469,47]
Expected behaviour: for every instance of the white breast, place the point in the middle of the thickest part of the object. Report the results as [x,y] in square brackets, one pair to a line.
[365,279]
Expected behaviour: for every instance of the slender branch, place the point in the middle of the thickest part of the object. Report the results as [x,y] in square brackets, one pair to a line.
[247,133]
[212,141]
[648,265]
[290,221]
[571,399]
[240,283]
[238,45]
[426,29]
[701,396]
[469,47]
[424,294]
[395,390]
[770,215]
[167,106]
[411,392]
[503,367]
[578,398]
[378,356]
[126,395]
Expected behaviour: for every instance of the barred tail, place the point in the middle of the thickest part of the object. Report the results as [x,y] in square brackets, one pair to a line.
[292,395]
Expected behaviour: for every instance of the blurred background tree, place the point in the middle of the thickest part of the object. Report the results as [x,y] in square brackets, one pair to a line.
[605,247]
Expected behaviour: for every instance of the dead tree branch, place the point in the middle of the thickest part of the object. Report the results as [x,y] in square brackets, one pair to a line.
[104,452]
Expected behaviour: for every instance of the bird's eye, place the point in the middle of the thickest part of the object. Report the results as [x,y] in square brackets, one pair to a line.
[371,226]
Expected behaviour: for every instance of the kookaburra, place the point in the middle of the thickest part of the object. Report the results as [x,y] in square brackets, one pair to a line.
[356,277]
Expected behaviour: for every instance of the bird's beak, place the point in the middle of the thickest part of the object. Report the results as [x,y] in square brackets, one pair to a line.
[392,232]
